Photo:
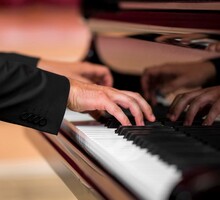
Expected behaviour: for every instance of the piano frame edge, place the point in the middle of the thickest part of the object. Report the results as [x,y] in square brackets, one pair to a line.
[85,178]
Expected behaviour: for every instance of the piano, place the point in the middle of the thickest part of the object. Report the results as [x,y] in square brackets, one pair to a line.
[98,158]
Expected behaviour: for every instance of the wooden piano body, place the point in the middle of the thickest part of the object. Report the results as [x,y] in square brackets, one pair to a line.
[126,39]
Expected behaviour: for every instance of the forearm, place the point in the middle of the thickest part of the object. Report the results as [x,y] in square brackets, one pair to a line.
[32,97]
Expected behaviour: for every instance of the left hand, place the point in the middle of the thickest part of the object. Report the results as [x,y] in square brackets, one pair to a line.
[82,71]
[194,102]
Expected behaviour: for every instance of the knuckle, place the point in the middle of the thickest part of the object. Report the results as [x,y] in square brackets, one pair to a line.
[137,95]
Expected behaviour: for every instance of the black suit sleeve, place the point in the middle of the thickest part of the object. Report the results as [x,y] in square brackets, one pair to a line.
[28,60]
[32,97]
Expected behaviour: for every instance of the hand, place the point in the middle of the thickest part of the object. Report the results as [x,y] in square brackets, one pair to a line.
[195,102]
[82,71]
[89,97]
[170,77]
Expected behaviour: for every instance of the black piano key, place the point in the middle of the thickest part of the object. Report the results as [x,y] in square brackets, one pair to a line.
[197,127]
[150,125]
[184,163]
[210,137]
[183,146]
[180,123]
[170,146]
[131,134]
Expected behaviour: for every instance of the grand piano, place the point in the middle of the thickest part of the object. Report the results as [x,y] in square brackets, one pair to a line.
[98,158]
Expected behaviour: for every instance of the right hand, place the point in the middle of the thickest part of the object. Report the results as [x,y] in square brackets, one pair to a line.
[168,78]
[90,97]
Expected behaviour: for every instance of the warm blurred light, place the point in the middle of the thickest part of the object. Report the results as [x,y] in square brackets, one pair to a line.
[28,2]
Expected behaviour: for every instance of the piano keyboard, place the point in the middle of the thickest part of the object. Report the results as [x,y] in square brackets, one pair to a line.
[150,160]
[136,168]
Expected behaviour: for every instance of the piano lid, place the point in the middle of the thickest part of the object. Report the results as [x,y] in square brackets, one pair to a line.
[202,14]
[130,36]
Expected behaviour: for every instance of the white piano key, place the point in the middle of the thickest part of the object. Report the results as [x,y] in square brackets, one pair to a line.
[139,170]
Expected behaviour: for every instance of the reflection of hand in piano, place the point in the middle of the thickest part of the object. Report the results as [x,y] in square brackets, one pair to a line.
[207,100]
[169,78]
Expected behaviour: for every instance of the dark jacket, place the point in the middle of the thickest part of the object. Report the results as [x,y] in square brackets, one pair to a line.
[29,96]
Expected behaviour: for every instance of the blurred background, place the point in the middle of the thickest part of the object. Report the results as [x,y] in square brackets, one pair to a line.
[51,29]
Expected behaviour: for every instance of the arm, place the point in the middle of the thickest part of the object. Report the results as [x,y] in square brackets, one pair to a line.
[32,97]
[40,93]
[82,71]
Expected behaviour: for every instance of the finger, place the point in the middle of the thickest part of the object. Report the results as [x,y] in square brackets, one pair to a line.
[145,107]
[130,103]
[193,109]
[171,111]
[213,114]
[113,109]
[180,104]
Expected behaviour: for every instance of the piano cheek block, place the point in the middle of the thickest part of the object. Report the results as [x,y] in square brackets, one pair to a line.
[199,184]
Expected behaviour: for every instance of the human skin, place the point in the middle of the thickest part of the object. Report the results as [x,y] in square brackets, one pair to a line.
[170,77]
[84,97]
[82,71]
[207,100]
